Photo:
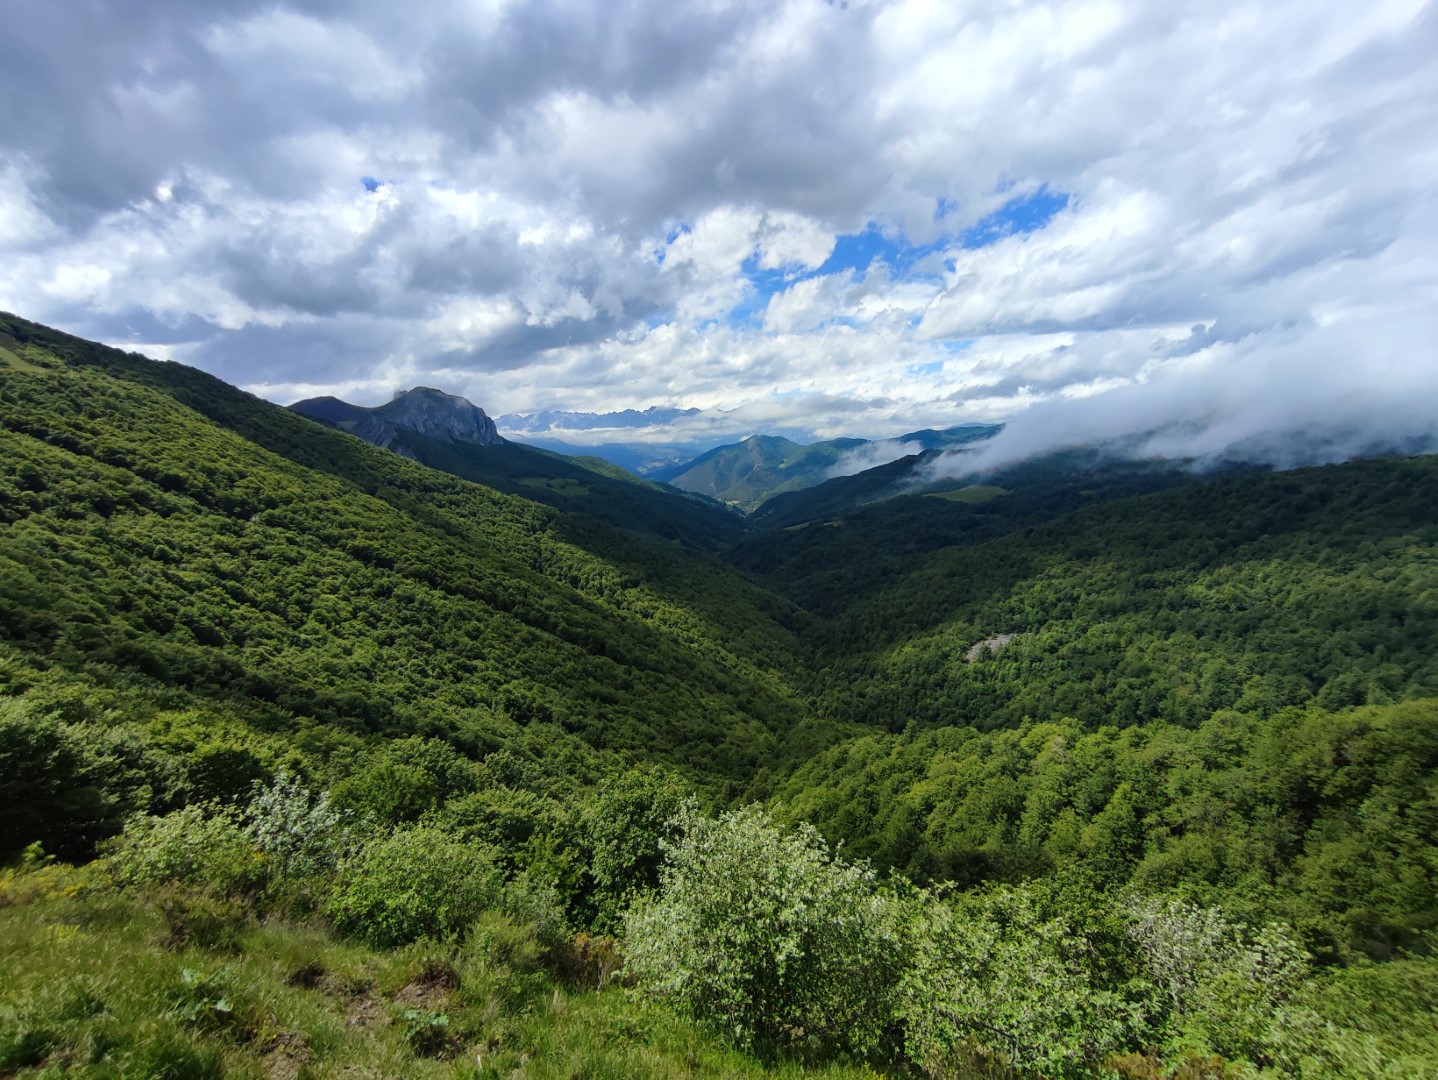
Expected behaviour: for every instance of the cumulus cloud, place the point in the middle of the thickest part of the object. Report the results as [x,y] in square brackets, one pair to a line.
[797,216]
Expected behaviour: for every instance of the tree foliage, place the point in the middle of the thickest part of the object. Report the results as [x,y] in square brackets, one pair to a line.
[768,935]
[411,884]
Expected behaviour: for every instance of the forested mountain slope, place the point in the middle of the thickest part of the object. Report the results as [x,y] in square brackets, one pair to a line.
[761,468]
[832,545]
[1255,591]
[746,473]
[162,526]
[1046,487]
[1226,687]
[588,486]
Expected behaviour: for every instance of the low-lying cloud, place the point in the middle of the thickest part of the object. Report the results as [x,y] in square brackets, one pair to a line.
[872,455]
[1286,398]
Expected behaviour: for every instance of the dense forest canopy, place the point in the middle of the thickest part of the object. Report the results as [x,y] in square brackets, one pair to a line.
[1087,768]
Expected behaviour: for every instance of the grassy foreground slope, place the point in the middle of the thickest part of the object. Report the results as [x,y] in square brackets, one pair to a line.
[163,984]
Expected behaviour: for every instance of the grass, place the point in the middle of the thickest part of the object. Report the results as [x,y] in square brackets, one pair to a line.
[17,362]
[97,982]
[972,495]
[559,485]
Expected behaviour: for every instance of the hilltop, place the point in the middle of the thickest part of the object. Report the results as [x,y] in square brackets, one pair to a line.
[749,475]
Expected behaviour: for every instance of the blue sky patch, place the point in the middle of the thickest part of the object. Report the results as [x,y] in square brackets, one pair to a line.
[855,253]
[1025,214]
[766,283]
[370,183]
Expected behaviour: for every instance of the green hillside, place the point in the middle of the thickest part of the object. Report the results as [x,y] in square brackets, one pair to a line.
[1190,647]
[747,473]
[305,578]
[837,497]
[833,544]
[767,471]
[577,485]
[1049,486]
[317,761]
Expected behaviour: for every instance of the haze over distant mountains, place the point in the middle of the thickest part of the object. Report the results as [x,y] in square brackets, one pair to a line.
[760,467]
[769,478]
[742,475]
[644,441]
[453,434]
[549,421]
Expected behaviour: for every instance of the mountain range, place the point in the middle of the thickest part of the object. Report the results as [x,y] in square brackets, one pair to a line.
[316,758]
[748,474]
[450,432]
[550,421]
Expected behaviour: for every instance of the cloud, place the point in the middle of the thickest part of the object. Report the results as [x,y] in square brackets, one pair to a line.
[1285,397]
[826,219]
[872,455]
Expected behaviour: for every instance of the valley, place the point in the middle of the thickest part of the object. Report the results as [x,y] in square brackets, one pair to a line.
[450,756]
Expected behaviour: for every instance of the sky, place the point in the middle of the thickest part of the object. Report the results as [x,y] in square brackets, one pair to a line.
[1200,228]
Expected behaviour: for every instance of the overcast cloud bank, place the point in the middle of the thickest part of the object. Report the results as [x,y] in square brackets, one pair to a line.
[1214,220]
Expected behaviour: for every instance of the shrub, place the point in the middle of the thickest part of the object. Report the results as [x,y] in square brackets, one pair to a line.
[389,792]
[1225,982]
[531,834]
[415,883]
[625,828]
[996,982]
[1360,1021]
[768,934]
[197,844]
[1178,942]
[408,779]
[51,789]
[301,834]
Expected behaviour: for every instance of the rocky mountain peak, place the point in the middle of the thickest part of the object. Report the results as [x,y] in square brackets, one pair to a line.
[438,415]
[423,410]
